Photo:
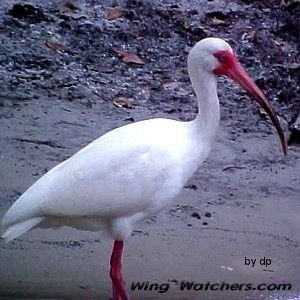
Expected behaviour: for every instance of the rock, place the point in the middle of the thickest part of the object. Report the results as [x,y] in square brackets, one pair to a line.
[195,215]
[208,214]
[29,12]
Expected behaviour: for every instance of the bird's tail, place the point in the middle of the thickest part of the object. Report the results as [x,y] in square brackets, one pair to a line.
[17,229]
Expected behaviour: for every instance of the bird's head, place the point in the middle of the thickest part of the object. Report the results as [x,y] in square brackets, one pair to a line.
[216,56]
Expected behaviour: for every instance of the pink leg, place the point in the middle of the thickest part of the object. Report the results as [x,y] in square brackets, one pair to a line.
[119,290]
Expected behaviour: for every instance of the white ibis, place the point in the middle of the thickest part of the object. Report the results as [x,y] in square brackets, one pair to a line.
[136,170]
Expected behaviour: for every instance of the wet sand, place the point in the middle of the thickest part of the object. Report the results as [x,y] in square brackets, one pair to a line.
[242,202]
[260,218]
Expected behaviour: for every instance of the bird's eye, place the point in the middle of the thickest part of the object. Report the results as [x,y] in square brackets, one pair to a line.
[222,58]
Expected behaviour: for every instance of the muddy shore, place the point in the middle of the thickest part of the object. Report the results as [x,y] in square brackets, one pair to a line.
[62,78]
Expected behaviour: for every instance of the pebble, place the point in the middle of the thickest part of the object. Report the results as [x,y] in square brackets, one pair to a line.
[195,215]
[208,215]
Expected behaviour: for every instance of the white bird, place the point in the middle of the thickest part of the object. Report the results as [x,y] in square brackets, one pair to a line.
[136,170]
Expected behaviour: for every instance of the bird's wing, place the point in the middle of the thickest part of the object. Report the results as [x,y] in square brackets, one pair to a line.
[115,182]
[120,173]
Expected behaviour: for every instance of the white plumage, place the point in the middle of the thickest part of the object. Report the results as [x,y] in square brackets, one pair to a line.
[127,174]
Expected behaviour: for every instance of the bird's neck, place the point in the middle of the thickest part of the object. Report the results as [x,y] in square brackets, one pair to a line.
[207,121]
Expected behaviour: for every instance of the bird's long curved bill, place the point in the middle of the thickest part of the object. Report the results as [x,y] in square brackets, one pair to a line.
[240,76]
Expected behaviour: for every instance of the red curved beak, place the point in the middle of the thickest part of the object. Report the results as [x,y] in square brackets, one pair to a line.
[236,72]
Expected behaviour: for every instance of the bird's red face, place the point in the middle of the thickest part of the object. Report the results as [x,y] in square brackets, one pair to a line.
[229,66]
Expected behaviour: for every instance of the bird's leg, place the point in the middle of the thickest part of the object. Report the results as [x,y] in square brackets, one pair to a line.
[119,290]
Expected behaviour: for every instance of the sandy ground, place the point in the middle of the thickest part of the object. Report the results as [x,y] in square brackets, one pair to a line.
[242,203]
[254,214]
